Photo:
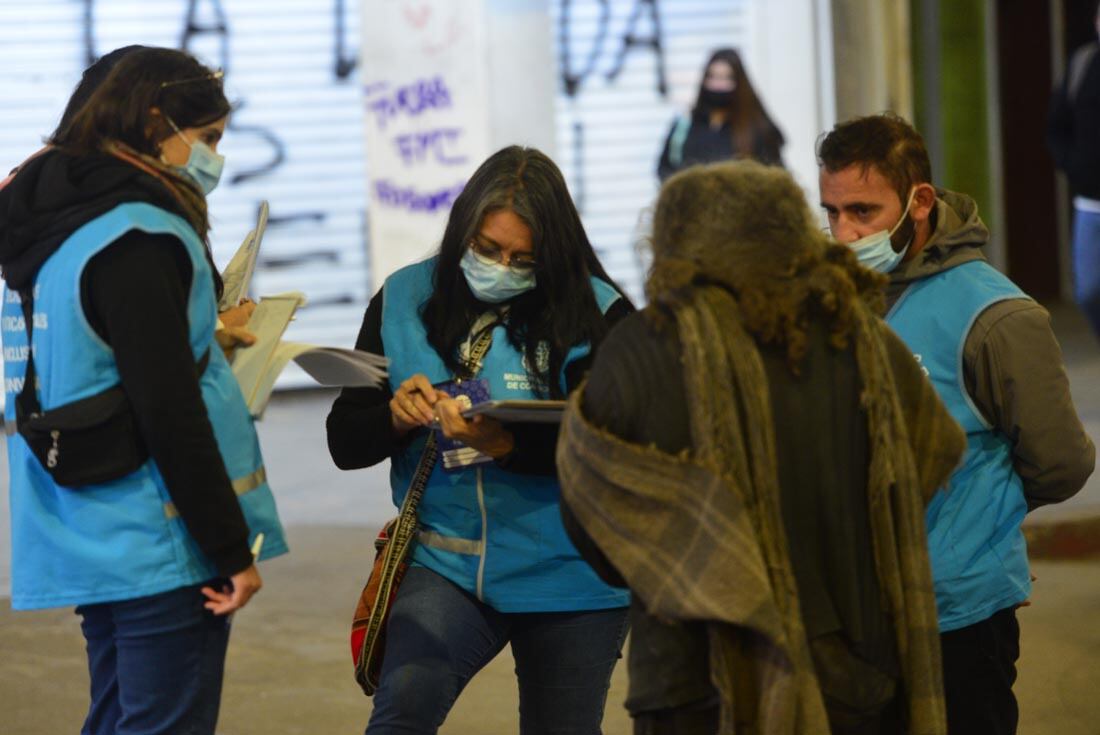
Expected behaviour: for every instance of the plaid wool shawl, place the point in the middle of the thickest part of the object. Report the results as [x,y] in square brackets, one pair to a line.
[700,537]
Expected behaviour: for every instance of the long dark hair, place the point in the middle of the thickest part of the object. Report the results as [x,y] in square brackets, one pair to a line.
[119,113]
[90,81]
[118,119]
[561,311]
[750,126]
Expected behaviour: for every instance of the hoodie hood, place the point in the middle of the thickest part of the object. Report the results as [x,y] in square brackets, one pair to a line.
[53,195]
[958,237]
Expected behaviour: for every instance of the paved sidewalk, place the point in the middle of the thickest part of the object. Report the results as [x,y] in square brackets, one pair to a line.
[289,668]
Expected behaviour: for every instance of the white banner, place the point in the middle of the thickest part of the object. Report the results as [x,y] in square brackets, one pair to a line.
[427,121]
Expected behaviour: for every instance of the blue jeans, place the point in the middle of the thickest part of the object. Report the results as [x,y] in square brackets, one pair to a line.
[439,636]
[1086,265]
[156,664]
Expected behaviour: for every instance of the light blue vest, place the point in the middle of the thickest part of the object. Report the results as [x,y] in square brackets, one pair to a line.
[977,550]
[496,534]
[122,539]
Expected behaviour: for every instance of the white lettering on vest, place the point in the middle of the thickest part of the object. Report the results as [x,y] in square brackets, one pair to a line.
[517,381]
[16,354]
[19,324]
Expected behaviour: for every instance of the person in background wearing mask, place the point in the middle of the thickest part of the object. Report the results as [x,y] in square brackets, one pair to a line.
[992,356]
[492,564]
[103,245]
[1073,136]
[728,121]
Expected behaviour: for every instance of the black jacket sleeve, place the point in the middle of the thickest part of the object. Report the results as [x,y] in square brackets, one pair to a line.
[635,392]
[360,426]
[1060,127]
[1072,121]
[135,295]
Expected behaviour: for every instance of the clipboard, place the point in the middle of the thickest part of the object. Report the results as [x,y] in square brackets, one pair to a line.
[519,411]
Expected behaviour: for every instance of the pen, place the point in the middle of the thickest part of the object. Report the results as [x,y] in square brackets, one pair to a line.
[257,545]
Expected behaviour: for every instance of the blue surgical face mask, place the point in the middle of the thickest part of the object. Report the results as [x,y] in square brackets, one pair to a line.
[203,166]
[492,282]
[876,251]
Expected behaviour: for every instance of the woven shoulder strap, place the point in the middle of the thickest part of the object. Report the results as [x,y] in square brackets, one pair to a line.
[405,528]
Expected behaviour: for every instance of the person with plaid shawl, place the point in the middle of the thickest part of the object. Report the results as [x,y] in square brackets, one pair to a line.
[752,454]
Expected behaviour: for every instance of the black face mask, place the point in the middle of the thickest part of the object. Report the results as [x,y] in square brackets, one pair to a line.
[715,100]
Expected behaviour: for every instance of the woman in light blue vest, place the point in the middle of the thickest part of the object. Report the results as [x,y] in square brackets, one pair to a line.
[138,492]
[492,564]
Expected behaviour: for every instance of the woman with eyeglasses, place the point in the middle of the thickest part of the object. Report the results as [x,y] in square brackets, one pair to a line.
[492,564]
[138,491]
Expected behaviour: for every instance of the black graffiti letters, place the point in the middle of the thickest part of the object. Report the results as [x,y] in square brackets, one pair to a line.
[632,40]
[572,80]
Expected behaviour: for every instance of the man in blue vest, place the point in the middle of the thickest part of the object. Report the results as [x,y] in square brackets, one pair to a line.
[990,353]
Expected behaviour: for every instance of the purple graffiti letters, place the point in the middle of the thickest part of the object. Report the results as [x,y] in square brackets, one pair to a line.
[396,196]
[411,99]
[415,147]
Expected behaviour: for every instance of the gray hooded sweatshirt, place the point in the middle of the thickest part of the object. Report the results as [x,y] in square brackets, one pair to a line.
[1012,363]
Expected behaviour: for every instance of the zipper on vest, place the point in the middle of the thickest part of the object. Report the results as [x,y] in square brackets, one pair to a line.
[484,536]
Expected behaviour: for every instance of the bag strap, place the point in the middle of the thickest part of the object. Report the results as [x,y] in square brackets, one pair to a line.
[27,405]
[676,143]
[407,521]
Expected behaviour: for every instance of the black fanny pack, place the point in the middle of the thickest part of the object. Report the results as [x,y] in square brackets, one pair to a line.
[93,440]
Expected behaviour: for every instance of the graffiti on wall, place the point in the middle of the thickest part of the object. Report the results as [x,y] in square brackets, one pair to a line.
[577,65]
[208,20]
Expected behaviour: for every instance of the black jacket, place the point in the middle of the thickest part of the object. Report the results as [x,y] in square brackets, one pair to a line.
[1073,127]
[704,144]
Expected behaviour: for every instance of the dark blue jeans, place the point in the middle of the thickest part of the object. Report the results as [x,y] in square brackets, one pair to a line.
[439,636]
[156,665]
[1086,265]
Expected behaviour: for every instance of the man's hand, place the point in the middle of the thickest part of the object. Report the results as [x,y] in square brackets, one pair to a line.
[486,435]
[413,404]
[234,595]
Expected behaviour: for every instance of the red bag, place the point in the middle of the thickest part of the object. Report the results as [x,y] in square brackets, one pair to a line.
[368,627]
[395,540]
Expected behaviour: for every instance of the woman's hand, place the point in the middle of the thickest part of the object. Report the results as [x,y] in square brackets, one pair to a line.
[238,316]
[234,330]
[413,404]
[230,338]
[486,435]
[234,595]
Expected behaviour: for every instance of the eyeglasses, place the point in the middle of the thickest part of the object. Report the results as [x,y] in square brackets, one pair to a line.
[522,262]
[204,78]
